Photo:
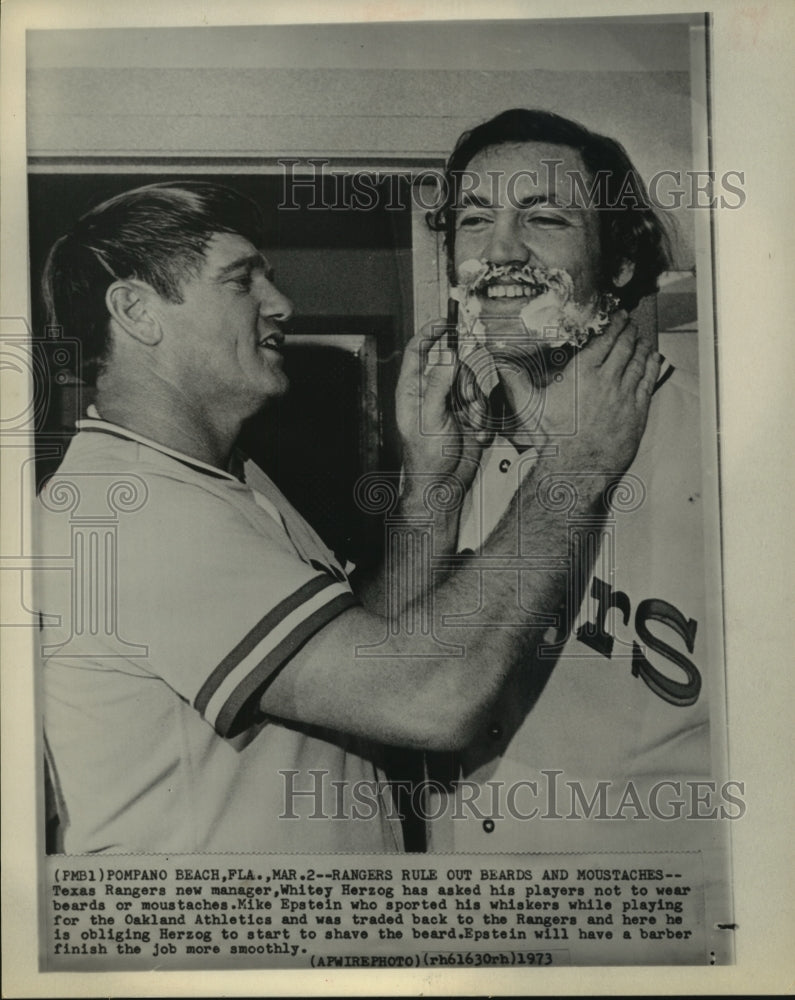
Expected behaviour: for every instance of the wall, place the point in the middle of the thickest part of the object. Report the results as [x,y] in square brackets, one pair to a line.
[375,92]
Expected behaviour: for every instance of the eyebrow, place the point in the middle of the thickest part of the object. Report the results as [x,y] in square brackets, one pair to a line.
[476,201]
[249,262]
[531,201]
[473,201]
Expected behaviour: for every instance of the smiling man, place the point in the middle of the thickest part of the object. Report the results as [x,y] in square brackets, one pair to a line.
[549,236]
[206,682]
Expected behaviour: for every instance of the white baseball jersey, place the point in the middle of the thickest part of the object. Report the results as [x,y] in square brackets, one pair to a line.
[183,591]
[622,697]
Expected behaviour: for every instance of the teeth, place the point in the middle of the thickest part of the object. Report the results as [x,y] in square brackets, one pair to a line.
[508,291]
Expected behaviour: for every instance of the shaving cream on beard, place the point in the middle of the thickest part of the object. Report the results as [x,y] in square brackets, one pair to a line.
[550,315]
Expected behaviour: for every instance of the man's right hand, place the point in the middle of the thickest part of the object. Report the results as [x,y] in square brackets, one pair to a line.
[434,443]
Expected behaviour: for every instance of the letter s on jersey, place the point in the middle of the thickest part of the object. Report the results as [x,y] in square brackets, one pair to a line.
[674,692]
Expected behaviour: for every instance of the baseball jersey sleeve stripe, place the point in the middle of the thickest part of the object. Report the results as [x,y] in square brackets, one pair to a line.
[235,714]
[260,631]
[270,643]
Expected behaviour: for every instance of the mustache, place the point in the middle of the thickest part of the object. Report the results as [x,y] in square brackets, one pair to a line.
[477,276]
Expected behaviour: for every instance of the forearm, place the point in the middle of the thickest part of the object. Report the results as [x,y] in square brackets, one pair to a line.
[423,515]
[419,675]
[528,573]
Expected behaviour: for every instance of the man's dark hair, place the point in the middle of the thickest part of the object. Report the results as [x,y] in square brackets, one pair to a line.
[630,229]
[157,234]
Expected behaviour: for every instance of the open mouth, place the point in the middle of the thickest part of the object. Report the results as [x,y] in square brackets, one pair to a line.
[478,277]
[508,289]
[273,342]
[512,291]
[544,298]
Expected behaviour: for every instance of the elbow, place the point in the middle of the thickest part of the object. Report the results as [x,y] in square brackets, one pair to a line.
[463,731]
[448,708]
[450,740]
[453,726]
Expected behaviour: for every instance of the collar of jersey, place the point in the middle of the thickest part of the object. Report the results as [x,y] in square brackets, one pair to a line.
[95,423]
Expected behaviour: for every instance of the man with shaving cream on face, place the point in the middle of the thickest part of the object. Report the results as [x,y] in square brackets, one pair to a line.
[551,244]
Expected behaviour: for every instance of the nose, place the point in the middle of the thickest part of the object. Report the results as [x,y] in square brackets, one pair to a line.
[505,245]
[274,304]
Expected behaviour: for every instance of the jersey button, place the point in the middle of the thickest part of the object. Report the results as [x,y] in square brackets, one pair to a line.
[495,731]
[505,464]
[488,825]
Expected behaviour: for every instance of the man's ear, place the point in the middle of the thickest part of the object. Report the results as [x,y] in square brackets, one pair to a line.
[624,274]
[128,304]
